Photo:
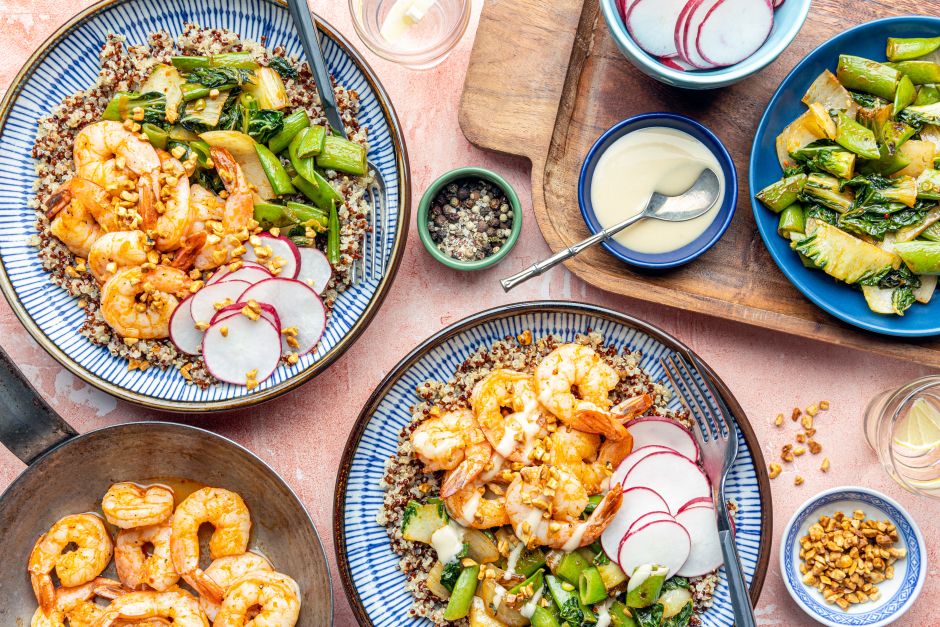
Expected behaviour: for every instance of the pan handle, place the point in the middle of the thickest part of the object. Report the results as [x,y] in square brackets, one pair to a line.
[28,425]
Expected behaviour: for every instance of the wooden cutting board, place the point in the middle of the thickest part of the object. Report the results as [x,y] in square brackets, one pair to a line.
[546,80]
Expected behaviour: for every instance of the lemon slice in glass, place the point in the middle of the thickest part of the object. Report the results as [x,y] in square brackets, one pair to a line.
[920,429]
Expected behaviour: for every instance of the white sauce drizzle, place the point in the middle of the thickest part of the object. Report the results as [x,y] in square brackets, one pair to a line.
[469,509]
[534,519]
[513,560]
[448,542]
[603,613]
[529,608]
[497,460]
[575,540]
[500,593]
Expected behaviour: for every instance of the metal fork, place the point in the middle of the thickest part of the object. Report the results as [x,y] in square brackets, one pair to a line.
[310,39]
[718,440]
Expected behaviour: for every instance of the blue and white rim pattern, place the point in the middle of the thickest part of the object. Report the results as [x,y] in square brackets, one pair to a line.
[885,611]
[70,65]
[373,565]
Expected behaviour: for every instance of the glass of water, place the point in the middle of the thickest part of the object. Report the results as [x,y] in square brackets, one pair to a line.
[415,33]
[902,426]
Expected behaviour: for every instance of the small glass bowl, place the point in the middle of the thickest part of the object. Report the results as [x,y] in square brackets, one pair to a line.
[425,44]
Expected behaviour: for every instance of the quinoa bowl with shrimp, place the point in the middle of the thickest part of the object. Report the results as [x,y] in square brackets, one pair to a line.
[528,465]
[150,174]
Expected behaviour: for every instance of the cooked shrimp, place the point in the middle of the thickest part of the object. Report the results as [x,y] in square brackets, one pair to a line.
[455,442]
[206,207]
[584,456]
[75,568]
[76,600]
[277,595]
[631,408]
[75,226]
[239,209]
[128,505]
[513,436]
[121,248]
[174,209]
[178,605]
[574,366]
[135,567]
[110,155]
[226,570]
[473,508]
[227,512]
[556,491]
[139,304]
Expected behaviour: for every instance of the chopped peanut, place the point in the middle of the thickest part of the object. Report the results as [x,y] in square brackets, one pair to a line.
[824,405]
[224,331]
[798,480]
[807,421]
[779,420]
[525,338]
[796,414]
[813,409]
[775,470]
[800,438]
[825,465]
[787,453]
[814,446]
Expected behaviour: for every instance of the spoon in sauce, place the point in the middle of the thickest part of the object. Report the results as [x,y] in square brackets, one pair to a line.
[696,201]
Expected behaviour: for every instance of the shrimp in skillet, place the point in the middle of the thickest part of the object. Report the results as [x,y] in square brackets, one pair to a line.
[128,505]
[76,601]
[226,570]
[177,605]
[277,596]
[139,304]
[135,567]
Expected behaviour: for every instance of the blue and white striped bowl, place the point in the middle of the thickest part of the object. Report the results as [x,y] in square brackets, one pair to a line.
[898,594]
[374,585]
[68,62]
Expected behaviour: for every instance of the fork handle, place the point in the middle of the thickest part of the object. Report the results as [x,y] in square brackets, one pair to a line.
[740,600]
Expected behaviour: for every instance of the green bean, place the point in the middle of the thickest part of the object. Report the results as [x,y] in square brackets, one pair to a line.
[275,172]
[202,151]
[905,95]
[868,76]
[293,124]
[855,137]
[927,95]
[620,616]
[269,216]
[239,60]
[319,191]
[782,194]
[530,561]
[313,217]
[536,580]
[791,221]
[304,167]
[342,155]
[156,136]
[904,49]
[543,618]
[894,134]
[920,72]
[570,566]
[191,91]
[591,586]
[312,144]
[460,599]
[332,254]
[556,587]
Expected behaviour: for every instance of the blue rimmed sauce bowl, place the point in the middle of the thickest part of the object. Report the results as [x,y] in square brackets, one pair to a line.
[707,239]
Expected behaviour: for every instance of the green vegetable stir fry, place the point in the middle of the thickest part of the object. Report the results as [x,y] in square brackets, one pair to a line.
[860,191]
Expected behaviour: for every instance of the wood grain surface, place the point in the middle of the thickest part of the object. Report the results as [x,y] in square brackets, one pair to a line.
[547,79]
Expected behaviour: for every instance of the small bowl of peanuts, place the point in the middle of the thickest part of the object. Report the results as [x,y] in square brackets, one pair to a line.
[853,556]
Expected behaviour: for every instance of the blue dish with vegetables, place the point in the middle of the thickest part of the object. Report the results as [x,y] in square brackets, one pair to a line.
[853,133]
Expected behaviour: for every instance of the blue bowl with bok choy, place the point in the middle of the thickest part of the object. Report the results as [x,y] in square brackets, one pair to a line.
[842,176]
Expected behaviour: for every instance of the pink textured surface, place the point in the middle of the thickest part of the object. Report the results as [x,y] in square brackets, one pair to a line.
[302,435]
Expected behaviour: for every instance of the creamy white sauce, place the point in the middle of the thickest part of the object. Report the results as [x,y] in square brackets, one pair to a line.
[500,593]
[529,608]
[497,460]
[448,542]
[469,509]
[434,447]
[603,613]
[649,160]
[528,425]
[575,540]
[644,572]
[534,519]
[513,560]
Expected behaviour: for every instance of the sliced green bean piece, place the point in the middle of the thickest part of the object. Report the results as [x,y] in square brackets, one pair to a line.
[332,254]
[319,191]
[543,618]
[305,167]
[620,616]
[537,580]
[192,91]
[240,60]
[342,155]
[868,76]
[156,136]
[313,217]
[919,72]
[905,95]
[591,586]
[312,144]
[792,220]
[928,95]
[904,49]
[293,124]
[530,561]
[459,604]
[570,567]
[275,172]
[855,137]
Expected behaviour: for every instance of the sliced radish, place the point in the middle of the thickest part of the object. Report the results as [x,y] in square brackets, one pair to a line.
[701,501]
[297,305]
[250,274]
[183,331]
[223,271]
[778,3]
[636,502]
[625,6]
[315,269]
[653,430]
[646,519]
[247,345]
[663,542]
[652,24]
[677,63]
[705,554]
[733,30]
[690,28]
[267,311]
[205,300]
[630,461]
[280,247]
[678,34]
[670,475]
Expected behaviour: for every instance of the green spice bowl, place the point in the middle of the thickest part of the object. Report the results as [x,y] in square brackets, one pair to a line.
[450,177]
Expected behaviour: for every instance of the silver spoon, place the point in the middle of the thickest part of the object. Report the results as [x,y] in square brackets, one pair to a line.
[695,202]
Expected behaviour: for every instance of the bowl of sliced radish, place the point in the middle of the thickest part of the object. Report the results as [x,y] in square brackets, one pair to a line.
[703,44]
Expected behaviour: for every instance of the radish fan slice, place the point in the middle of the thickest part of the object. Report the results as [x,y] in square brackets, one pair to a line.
[652,24]
[297,305]
[246,346]
[733,30]
[205,300]
[183,331]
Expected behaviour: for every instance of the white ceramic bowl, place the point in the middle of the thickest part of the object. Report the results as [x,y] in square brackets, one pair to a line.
[897,594]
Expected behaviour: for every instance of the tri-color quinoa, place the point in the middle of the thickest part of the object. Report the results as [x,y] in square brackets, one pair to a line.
[123,69]
[405,479]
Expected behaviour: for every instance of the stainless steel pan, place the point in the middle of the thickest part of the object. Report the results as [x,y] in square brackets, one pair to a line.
[69,473]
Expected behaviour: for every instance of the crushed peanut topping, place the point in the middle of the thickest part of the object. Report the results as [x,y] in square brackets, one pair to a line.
[825,465]
[824,405]
[813,409]
[798,480]
[252,374]
[796,414]
[293,358]
[775,470]
[224,331]
[251,384]
[779,420]
[202,326]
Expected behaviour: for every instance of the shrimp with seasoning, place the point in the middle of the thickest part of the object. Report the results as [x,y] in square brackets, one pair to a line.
[75,568]
[513,436]
[207,207]
[453,441]
[75,226]
[122,249]
[175,211]
[277,595]
[138,304]
[556,491]
[584,456]
[128,505]
[177,605]
[225,242]
[111,155]
[224,510]
[135,567]
[76,602]
[473,508]
[226,570]
[571,367]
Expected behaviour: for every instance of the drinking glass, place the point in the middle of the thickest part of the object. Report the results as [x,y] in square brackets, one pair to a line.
[915,469]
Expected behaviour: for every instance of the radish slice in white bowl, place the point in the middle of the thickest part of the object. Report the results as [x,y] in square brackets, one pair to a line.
[183,331]
[247,346]
[705,554]
[628,462]
[663,542]
[689,34]
[656,431]
[280,247]
[636,502]
[249,274]
[671,476]
[297,305]
[315,269]
[677,63]
[267,311]
[733,30]
[652,24]
[205,300]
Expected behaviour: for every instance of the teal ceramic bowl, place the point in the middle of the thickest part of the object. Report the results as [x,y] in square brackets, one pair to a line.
[788,19]
[425,208]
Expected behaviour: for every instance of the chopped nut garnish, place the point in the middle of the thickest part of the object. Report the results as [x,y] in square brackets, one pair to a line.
[779,420]
[807,421]
[224,331]
[130,341]
[251,384]
[196,286]
[799,450]
[798,480]
[293,358]
[254,306]
[291,341]
[813,409]
[138,113]
[184,371]
[276,232]
[82,303]
[810,432]
[293,331]
[814,446]
[796,413]
[800,438]
[824,405]
[235,265]
[825,465]
[202,326]
[252,374]
[786,454]
[251,314]
[467,562]
[775,470]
